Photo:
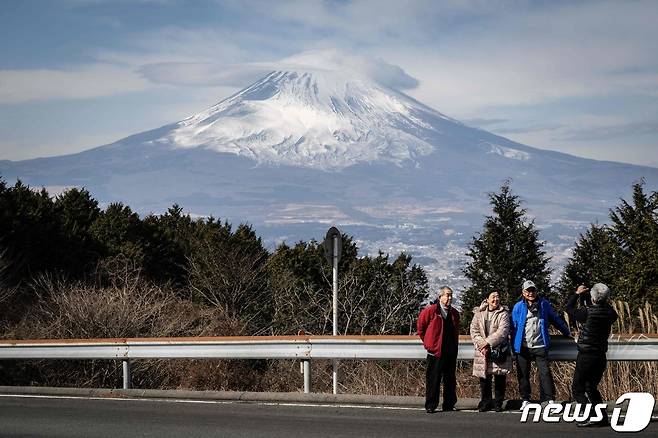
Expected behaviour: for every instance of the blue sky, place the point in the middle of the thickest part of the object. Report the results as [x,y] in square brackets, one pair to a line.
[577,77]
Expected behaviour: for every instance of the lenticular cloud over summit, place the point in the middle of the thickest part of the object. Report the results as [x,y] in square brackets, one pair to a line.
[374,69]
[209,74]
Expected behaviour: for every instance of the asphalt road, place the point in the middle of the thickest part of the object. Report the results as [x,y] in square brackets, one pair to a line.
[78,417]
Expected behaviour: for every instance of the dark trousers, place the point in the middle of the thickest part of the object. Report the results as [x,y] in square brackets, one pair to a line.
[586,379]
[500,384]
[438,369]
[540,357]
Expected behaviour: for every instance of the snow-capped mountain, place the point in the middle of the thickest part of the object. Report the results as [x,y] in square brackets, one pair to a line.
[313,118]
[309,146]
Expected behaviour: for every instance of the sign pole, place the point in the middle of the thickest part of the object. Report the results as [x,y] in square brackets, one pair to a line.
[335,307]
[333,246]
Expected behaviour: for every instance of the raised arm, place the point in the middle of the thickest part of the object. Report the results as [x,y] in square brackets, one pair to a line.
[577,314]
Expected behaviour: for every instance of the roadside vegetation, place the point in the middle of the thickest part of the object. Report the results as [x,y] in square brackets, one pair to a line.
[71,269]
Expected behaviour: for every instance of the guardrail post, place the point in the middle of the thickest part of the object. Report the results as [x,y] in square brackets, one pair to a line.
[307,376]
[126,374]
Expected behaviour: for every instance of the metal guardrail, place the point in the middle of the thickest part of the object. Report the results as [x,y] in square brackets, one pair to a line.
[622,348]
[305,348]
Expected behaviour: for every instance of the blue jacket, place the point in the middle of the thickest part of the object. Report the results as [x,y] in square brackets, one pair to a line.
[546,315]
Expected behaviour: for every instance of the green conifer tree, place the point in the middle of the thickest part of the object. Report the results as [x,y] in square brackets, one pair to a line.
[635,227]
[28,231]
[75,211]
[596,258]
[119,231]
[506,252]
[169,244]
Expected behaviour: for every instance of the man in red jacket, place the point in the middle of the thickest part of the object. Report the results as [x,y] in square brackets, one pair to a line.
[438,327]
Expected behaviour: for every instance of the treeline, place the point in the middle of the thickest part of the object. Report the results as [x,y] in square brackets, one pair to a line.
[623,255]
[52,246]
[55,252]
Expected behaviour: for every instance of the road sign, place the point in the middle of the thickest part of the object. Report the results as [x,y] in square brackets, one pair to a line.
[329,244]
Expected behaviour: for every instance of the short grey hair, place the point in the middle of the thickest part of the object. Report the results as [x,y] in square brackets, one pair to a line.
[443,290]
[600,293]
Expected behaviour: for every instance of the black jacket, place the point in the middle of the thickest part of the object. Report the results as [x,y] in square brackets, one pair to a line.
[595,320]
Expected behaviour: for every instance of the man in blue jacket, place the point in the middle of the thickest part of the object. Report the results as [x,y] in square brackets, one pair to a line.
[531,317]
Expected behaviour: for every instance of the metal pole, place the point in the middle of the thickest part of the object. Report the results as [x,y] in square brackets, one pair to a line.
[126,374]
[307,376]
[335,307]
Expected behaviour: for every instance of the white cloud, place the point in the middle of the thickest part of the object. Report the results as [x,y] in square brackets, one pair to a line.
[537,55]
[212,74]
[202,74]
[375,21]
[467,55]
[614,131]
[375,68]
[192,45]
[85,82]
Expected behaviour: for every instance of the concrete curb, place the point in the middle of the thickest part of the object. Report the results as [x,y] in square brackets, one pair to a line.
[271,397]
[244,396]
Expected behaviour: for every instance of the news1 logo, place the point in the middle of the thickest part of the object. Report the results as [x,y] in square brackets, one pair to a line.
[637,414]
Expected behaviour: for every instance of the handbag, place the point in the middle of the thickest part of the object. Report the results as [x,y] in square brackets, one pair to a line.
[499,352]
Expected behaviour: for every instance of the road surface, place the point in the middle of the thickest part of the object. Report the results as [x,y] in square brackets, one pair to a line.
[39,416]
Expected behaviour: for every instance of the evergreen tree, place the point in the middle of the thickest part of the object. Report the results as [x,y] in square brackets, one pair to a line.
[596,258]
[506,252]
[635,228]
[120,233]
[76,211]
[300,283]
[28,231]
[169,237]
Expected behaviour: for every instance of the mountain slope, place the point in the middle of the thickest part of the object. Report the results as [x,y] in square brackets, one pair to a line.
[300,149]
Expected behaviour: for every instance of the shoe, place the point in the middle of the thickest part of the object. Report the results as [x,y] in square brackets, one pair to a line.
[524,404]
[484,406]
[498,407]
[430,411]
[449,409]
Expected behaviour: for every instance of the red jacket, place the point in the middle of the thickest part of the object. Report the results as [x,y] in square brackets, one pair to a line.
[430,328]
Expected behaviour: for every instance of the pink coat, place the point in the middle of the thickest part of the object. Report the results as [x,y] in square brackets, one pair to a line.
[498,333]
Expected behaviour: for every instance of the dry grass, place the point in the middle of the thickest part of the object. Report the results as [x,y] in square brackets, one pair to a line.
[129,309]
[133,308]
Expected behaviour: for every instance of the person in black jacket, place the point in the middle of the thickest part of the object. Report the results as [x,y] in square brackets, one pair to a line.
[595,317]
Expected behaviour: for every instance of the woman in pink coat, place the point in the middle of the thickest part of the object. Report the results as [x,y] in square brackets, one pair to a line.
[490,334]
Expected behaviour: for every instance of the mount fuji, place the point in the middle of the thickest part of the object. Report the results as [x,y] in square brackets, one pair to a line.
[310,146]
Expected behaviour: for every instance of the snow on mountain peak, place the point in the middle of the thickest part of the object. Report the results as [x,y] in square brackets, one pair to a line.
[328,110]
[311,117]
[375,69]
